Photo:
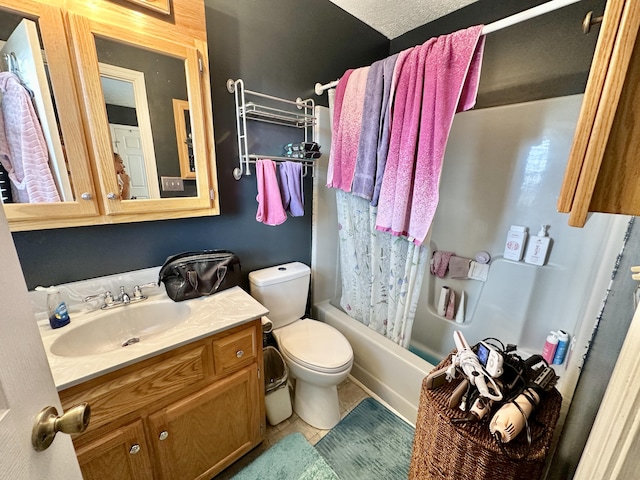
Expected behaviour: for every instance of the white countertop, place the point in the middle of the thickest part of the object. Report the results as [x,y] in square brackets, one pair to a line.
[208,315]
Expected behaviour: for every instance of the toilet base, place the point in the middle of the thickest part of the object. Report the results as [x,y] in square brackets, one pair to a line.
[317,406]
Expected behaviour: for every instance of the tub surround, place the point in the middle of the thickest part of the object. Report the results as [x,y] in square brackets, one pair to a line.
[208,316]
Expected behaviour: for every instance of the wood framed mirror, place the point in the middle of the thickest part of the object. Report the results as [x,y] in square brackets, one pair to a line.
[96,43]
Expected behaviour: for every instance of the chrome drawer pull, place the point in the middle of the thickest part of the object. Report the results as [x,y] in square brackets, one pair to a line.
[239,353]
[134,449]
[163,435]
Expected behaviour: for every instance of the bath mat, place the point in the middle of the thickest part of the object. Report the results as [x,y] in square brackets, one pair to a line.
[292,458]
[370,442]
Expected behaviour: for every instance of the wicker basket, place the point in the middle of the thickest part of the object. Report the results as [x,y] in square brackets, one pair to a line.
[467,451]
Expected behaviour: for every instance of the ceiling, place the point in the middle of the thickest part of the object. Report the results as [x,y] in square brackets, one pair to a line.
[393,18]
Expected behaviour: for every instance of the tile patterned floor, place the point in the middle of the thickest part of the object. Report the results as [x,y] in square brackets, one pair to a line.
[349,394]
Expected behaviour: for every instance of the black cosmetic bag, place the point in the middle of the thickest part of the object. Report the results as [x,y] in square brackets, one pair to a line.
[196,274]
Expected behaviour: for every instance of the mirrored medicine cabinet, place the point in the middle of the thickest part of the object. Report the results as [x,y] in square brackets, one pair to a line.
[138,95]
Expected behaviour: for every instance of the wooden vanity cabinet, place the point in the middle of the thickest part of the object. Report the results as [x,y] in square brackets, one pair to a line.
[175,416]
[603,172]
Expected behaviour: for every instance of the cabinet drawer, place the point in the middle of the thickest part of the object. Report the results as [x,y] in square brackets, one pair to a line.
[234,351]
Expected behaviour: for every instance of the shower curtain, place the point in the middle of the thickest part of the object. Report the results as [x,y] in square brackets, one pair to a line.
[381,273]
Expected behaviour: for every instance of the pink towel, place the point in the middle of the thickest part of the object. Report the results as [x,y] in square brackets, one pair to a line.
[438,78]
[440,263]
[346,131]
[270,209]
[335,122]
[23,150]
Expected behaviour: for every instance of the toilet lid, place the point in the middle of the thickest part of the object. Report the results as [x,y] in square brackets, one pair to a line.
[316,345]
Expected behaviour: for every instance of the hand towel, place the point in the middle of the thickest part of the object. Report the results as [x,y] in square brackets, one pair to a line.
[440,263]
[290,181]
[344,146]
[23,149]
[439,78]
[459,267]
[270,209]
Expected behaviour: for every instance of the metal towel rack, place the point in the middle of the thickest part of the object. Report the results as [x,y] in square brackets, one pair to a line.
[298,114]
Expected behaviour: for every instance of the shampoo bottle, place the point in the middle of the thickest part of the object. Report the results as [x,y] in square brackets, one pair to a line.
[56,308]
[514,246]
[550,346]
[538,247]
[561,349]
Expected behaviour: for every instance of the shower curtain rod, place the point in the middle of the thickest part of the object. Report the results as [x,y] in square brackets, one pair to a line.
[492,27]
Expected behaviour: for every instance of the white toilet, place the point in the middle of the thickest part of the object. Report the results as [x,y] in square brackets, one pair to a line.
[319,357]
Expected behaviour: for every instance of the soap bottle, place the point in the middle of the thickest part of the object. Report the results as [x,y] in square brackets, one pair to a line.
[514,246]
[56,308]
[538,247]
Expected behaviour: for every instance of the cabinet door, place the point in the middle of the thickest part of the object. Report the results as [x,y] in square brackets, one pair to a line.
[168,71]
[121,455]
[46,150]
[602,172]
[198,436]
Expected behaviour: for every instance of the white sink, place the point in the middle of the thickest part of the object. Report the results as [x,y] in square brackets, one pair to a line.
[119,327]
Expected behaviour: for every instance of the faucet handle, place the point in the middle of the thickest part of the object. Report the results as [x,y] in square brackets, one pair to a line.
[108,298]
[137,290]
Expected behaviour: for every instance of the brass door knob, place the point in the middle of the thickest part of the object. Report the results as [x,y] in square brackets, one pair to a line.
[48,423]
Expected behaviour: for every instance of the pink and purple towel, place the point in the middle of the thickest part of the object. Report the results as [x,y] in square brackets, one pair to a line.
[438,79]
[347,123]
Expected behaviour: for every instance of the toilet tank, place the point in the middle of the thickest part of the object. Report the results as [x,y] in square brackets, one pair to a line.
[283,289]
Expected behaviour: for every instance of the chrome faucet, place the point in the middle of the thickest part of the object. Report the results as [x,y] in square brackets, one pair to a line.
[124,299]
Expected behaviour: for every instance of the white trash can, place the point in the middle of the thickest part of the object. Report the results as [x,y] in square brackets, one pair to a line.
[277,399]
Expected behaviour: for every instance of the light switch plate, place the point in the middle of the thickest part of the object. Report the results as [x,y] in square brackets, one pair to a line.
[172,184]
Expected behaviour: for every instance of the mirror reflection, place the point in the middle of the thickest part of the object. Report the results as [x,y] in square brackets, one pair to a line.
[140,88]
[33,166]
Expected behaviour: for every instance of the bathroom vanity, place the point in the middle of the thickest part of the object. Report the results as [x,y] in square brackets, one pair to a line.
[180,403]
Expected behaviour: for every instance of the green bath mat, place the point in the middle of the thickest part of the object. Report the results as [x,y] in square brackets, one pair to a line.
[371,442]
[292,458]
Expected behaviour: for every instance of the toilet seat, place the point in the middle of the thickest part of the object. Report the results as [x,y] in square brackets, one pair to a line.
[316,346]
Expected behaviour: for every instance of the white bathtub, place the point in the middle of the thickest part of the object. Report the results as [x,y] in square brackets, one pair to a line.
[388,370]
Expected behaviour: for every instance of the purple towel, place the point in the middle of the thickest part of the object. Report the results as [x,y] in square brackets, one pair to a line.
[364,175]
[385,122]
[290,181]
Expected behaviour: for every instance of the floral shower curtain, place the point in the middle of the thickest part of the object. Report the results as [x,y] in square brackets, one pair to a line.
[381,273]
